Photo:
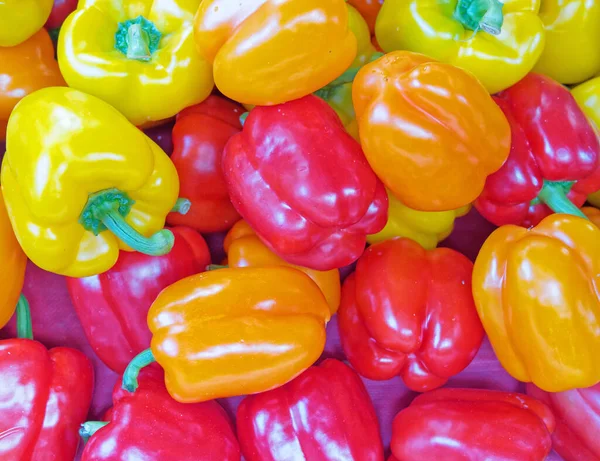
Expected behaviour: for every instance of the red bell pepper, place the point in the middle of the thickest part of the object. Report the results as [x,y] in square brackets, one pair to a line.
[410,312]
[44,396]
[60,10]
[325,414]
[473,424]
[149,425]
[113,306]
[199,137]
[554,161]
[303,184]
[577,412]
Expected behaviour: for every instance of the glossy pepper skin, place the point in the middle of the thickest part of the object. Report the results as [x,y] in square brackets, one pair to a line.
[60,10]
[554,157]
[409,312]
[536,292]
[368,9]
[429,130]
[245,249]
[199,137]
[577,413]
[20,19]
[137,55]
[571,53]
[308,39]
[303,184]
[288,423]
[427,228]
[91,180]
[473,424]
[237,331]
[13,266]
[587,96]
[26,67]
[360,29]
[149,423]
[113,306]
[497,42]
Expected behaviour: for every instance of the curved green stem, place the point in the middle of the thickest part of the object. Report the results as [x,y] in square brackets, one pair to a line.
[215,267]
[89,428]
[243,117]
[182,206]
[24,330]
[130,376]
[483,15]
[554,195]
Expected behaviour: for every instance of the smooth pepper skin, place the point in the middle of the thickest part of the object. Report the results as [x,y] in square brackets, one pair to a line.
[571,54]
[199,137]
[427,228]
[553,145]
[245,249]
[60,10]
[308,39]
[45,396]
[113,306]
[146,83]
[20,19]
[498,61]
[429,130]
[61,147]
[26,68]
[577,413]
[148,424]
[536,291]
[303,184]
[13,266]
[587,96]
[368,9]
[473,424]
[360,29]
[410,312]
[289,423]
[237,331]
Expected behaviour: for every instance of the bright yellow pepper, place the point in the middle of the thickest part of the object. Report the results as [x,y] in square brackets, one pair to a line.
[20,19]
[427,228]
[80,182]
[360,29]
[137,55]
[571,54]
[498,43]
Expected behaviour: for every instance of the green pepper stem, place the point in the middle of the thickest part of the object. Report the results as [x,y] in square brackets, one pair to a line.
[138,43]
[243,118]
[215,267]
[480,14]
[553,195]
[89,428]
[24,330]
[130,376]
[347,77]
[182,206]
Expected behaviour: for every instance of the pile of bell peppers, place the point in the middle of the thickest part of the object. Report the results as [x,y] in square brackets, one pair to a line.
[324,150]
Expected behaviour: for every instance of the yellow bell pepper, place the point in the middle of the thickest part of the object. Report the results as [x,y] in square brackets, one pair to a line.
[20,19]
[364,46]
[80,182]
[427,228]
[137,55]
[497,42]
[572,51]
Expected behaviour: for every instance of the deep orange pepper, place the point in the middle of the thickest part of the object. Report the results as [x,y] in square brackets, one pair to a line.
[368,9]
[26,68]
[429,130]
[13,267]
[245,249]
[593,214]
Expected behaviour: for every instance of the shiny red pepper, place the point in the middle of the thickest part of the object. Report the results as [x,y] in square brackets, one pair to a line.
[473,424]
[324,414]
[410,312]
[60,10]
[303,184]
[113,306]
[44,396]
[554,162]
[577,412]
[199,137]
[149,425]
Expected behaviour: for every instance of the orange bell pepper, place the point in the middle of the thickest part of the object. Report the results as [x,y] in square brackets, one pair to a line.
[234,331]
[13,267]
[537,293]
[429,130]
[245,249]
[26,68]
[593,214]
[268,52]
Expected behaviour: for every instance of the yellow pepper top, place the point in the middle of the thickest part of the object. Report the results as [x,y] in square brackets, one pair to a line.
[75,175]
[498,42]
[20,19]
[137,55]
